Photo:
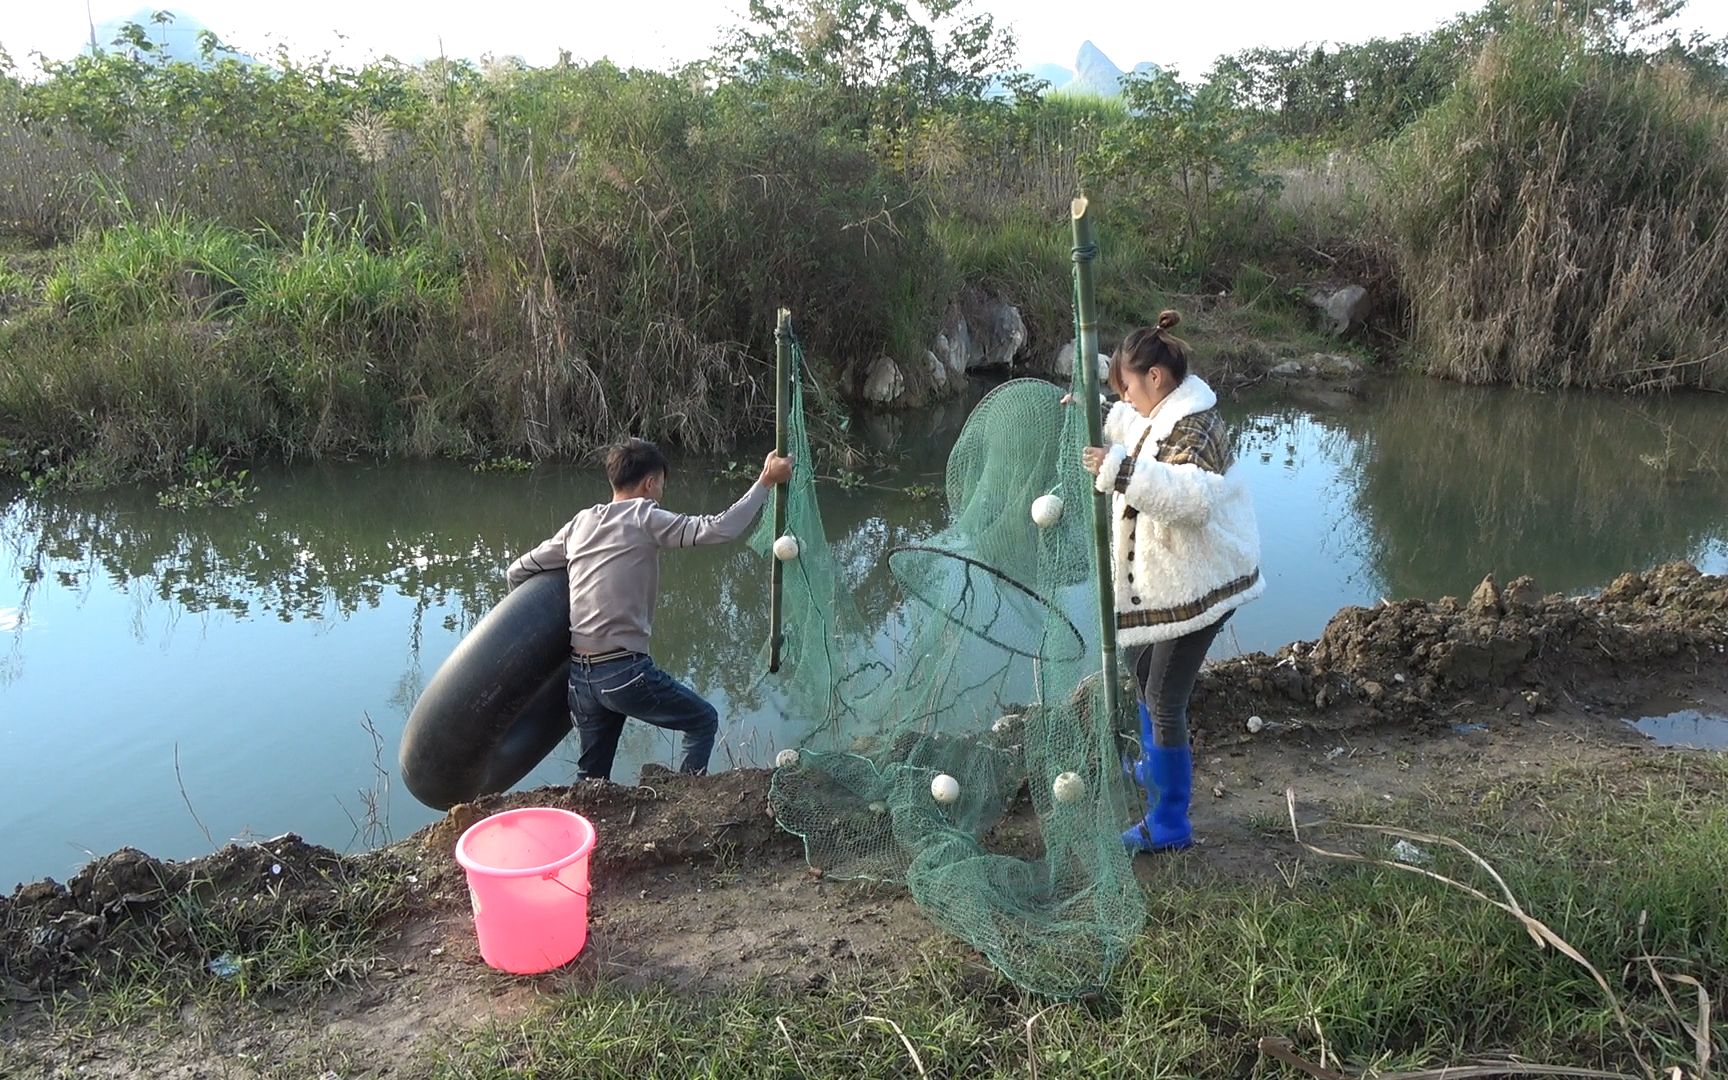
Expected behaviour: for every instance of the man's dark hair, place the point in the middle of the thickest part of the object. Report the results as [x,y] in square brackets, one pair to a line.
[633,461]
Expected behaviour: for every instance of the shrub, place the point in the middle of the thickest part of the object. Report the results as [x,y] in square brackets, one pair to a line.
[1560,220]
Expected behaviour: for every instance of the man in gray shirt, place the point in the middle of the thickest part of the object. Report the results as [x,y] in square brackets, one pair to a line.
[612,554]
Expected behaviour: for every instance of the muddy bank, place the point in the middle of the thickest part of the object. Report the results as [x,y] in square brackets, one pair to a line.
[682,856]
[127,908]
[1512,648]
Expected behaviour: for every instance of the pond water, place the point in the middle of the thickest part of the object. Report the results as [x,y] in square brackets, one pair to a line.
[172,679]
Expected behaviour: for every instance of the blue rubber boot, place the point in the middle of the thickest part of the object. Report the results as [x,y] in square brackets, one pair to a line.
[1166,826]
[1140,769]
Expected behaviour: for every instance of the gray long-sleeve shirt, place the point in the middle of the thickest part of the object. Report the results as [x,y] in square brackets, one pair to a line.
[612,553]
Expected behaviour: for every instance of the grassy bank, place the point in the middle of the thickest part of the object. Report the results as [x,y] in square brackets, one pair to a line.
[1371,966]
[1352,966]
[143,344]
[437,261]
[449,258]
[163,335]
[270,919]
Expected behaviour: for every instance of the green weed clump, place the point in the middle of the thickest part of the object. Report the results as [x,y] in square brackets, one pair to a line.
[341,285]
[206,482]
[335,282]
[16,289]
[165,333]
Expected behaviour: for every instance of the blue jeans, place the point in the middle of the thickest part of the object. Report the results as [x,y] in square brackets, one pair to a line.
[603,694]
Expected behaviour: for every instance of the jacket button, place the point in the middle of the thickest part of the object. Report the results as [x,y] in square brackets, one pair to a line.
[1136,599]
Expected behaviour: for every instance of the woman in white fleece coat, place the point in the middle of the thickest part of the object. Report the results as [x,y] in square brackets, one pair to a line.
[1187,554]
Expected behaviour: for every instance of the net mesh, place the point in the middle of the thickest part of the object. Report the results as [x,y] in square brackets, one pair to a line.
[981,672]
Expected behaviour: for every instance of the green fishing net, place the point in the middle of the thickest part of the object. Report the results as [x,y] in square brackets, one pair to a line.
[981,672]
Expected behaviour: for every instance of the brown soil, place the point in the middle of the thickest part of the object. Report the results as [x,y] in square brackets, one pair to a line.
[696,889]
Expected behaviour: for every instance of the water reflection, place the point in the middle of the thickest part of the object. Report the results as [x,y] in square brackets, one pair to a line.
[1688,728]
[1573,489]
[258,642]
[321,544]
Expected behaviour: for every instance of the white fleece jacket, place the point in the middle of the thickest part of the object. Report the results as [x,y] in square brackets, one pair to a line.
[1185,540]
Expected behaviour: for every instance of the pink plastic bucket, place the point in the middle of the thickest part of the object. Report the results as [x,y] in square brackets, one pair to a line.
[528,880]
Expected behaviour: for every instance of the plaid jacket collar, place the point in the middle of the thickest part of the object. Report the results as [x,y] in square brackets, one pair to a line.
[1190,397]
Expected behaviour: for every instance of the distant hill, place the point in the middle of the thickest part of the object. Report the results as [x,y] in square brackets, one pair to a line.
[178,38]
[1096,73]
[1093,73]
[1054,74]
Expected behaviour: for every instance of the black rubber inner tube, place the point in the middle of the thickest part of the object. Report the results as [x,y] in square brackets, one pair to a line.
[499,704]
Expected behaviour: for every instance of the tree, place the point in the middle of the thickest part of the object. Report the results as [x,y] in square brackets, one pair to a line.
[1372,90]
[1183,142]
[887,60]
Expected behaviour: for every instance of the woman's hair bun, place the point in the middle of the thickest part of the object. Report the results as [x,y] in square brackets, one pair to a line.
[1168,319]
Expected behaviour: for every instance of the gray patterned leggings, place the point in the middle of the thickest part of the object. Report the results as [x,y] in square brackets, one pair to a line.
[1165,672]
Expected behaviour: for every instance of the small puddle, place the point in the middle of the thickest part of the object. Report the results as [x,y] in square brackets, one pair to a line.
[1687,728]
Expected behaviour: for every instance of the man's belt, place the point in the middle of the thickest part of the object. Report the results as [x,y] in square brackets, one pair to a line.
[601,658]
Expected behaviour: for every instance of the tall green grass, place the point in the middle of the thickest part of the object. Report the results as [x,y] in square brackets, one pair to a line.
[155,267]
[163,334]
[15,289]
[337,286]
[332,282]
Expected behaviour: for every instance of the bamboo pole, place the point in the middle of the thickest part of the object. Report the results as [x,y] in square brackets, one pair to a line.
[1086,390]
[783,376]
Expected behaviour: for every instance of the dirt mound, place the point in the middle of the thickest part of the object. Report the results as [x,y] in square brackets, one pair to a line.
[667,818]
[128,904]
[1401,661]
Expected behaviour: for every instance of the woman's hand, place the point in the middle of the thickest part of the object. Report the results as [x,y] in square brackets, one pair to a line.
[1067,399]
[1092,458]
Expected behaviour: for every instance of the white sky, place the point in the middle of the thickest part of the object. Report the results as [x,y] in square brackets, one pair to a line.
[1183,34]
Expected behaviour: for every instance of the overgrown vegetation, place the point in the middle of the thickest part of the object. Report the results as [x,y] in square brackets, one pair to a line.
[483,260]
[1563,220]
